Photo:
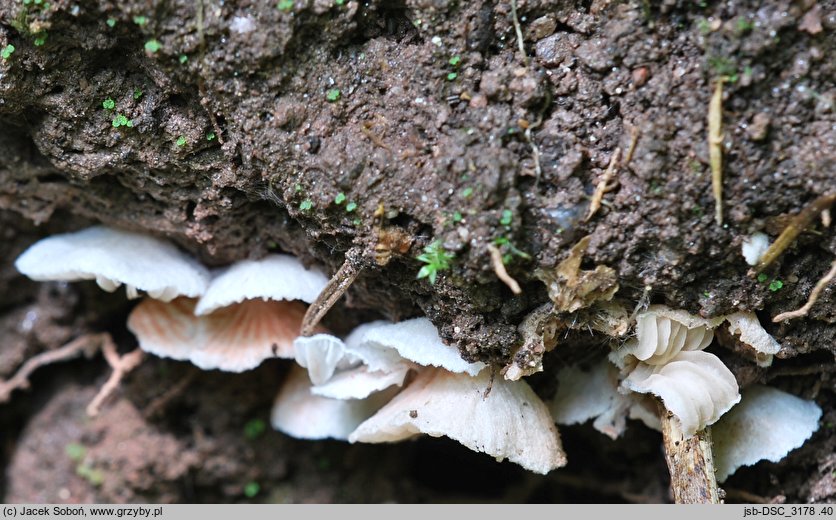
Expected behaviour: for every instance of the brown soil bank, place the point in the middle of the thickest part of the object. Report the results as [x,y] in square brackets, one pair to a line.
[369,130]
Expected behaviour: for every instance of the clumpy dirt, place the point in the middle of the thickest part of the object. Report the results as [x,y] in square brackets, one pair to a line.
[248,121]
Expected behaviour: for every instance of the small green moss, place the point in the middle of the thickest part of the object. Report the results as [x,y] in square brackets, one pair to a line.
[306,205]
[284,5]
[210,136]
[297,188]
[467,192]
[152,46]
[92,475]
[743,25]
[183,59]
[137,93]
[333,95]
[762,278]
[121,120]
[706,294]
[451,76]
[7,51]
[339,199]
[40,39]
[507,216]
[108,104]
[455,61]
[775,285]
[351,206]
[457,217]
[251,489]
[181,141]
[254,428]
[75,451]
[140,20]
[111,22]
[357,222]
[339,2]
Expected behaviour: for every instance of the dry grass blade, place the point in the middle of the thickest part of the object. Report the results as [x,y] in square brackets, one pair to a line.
[604,185]
[715,148]
[332,292]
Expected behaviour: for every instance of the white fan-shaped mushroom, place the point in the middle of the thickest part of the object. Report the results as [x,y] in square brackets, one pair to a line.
[583,395]
[766,425]
[114,257]
[751,332]
[662,333]
[299,413]
[417,340]
[695,386]
[511,422]
[322,355]
[276,277]
[360,382]
[233,339]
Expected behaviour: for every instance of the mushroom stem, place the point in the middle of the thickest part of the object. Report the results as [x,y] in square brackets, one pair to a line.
[332,292]
[690,462]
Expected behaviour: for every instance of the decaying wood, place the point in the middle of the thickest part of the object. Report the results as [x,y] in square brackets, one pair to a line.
[690,462]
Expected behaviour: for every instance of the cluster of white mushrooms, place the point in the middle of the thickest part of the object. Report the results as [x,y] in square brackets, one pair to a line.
[387,382]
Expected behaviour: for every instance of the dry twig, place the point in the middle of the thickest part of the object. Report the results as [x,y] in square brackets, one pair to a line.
[715,148]
[604,185]
[690,462]
[499,268]
[332,292]
[87,345]
[814,295]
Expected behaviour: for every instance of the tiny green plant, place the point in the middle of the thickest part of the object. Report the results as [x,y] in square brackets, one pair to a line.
[75,451]
[339,199]
[436,258]
[210,136]
[503,241]
[137,93]
[506,218]
[339,2]
[92,475]
[451,76]
[457,217]
[111,22]
[152,46]
[108,104]
[333,95]
[181,141]
[140,20]
[455,61]
[183,59]
[7,51]
[351,206]
[467,192]
[762,278]
[306,205]
[251,489]
[122,120]
[40,39]
[254,428]
[775,285]
[285,5]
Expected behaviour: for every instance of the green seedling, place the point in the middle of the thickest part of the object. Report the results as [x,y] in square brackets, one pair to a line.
[152,46]
[306,205]
[140,20]
[351,206]
[436,258]
[251,489]
[122,120]
[333,95]
[507,216]
[108,104]
[339,199]
[210,136]
[111,22]
[254,428]
[183,59]
[285,5]
[7,51]
[775,285]
[181,141]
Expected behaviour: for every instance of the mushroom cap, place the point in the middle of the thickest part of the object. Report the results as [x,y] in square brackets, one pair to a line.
[662,333]
[299,413]
[360,382]
[511,422]
[751,332]
[695,386]
[416,340]
[766,425]
[233,339]
[322,355]
[113,257]
[275,277]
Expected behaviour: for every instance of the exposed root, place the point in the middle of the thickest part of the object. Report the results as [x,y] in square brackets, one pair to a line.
[798,224]
[518,30]
[604,185]
[332,292]
[690,462]
[715,148]
[159,403]
[814,295]
[121,365]
[499,269]
[86,345]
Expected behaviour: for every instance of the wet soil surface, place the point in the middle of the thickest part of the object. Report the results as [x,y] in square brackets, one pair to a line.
[367,131]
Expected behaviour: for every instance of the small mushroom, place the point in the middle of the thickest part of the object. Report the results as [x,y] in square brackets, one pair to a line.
[114,257]
[766,425]
[275,277]
[234,339]
[752,333]
[299,413]
[509,422]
